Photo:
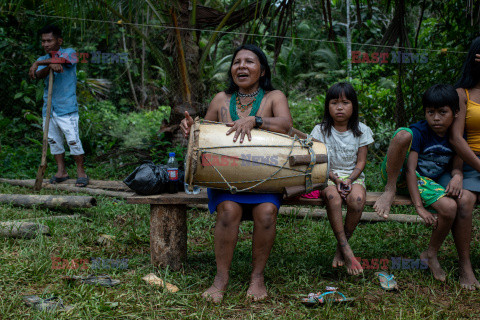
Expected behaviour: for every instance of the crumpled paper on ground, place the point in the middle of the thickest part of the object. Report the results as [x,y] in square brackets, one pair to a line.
[151,278]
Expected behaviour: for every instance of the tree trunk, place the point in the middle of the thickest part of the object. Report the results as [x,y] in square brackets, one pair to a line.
[359,15]
[349,43]
[130,81]
[400,115]
[48,201]
[186,55]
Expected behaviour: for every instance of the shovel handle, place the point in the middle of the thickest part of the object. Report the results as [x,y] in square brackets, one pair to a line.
[43,163]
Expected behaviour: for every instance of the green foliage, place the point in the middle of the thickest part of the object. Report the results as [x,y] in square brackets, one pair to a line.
[110,127]
[307,112]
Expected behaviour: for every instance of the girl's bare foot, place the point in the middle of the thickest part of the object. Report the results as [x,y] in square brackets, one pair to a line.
[383,203]
[467,278]
[216,291]
[353,266]
[434,265]
[257,290]
[338,260]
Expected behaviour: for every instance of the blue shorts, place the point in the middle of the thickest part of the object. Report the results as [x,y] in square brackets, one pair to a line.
[216,196]
[471,178]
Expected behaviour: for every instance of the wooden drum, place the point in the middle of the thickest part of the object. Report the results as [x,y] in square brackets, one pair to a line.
[271,162]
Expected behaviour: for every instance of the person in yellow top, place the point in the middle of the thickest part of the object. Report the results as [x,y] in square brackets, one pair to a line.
[467,124]
[468,120]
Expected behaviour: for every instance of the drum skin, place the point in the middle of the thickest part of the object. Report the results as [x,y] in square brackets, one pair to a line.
[212,154]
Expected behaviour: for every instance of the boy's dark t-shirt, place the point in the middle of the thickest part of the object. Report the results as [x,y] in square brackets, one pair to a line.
[434,153]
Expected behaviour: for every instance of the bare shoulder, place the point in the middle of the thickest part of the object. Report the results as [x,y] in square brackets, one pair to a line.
[275,95]
[218,108]
[220,98]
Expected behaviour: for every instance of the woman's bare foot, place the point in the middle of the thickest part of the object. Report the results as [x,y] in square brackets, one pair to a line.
[383,203]
[257,290]
[353,266]
[216,291]
[467,278]
[434,265]
[338,260]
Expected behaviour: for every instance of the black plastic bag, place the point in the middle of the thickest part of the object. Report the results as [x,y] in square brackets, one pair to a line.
[148,179]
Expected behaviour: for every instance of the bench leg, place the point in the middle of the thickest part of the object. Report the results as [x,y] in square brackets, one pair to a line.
[168,235]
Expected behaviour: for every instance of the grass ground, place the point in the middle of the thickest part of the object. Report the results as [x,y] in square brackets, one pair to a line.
[299,264]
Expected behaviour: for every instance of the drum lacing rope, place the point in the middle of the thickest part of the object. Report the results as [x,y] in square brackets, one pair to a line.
[308,143]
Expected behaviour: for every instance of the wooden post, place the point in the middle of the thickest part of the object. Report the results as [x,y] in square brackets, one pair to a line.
[299,190]
[168,235]
[298,160]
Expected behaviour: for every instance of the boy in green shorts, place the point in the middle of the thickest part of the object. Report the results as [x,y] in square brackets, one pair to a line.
[421,160]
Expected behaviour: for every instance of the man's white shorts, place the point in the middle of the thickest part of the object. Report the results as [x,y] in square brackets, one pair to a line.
[67,126]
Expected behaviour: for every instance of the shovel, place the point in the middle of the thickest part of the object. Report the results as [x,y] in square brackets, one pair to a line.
[43,164]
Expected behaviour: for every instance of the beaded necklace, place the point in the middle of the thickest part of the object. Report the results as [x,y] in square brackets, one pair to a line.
[248,95]
[235,103]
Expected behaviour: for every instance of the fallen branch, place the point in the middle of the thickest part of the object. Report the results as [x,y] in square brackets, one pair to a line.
[73,216]
[18,229]
[27,183]
[93,184]
[48,201]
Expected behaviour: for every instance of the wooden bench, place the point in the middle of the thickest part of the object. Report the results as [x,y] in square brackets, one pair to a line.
[168,222]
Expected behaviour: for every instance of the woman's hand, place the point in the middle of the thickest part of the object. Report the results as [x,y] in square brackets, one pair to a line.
[477,58]
[186,124]
[242,127]
[455,187]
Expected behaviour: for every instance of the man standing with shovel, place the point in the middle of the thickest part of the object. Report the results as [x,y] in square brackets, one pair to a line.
[64,108]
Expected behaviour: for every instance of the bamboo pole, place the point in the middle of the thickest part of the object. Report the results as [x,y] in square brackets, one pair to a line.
[318,213]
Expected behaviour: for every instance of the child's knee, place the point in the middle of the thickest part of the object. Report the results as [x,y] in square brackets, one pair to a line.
[333,198]
[403,138]
[356,200]
[448,209]
[466,203]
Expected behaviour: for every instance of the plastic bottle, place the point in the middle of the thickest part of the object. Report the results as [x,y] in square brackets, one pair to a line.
[196,189]
[172,168]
